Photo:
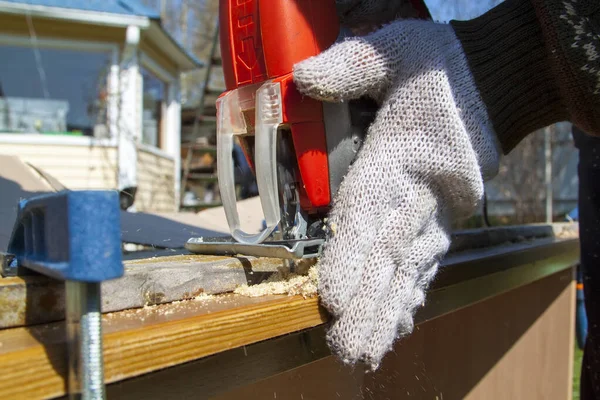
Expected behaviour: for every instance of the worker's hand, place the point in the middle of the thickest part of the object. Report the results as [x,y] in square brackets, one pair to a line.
[423,163]
[365,14]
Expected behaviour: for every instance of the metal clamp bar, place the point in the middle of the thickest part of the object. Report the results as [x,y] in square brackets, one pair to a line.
[284,249]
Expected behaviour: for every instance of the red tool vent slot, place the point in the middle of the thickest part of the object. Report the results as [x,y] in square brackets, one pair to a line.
[241,43]
[263,39]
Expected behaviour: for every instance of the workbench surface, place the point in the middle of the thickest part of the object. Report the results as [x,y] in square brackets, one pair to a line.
[234,340]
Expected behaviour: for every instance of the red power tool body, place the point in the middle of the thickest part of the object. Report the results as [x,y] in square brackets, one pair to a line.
[299,148]
[296,30]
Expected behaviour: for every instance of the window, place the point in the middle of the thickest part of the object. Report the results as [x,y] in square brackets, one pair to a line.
[153,108]
[54,90]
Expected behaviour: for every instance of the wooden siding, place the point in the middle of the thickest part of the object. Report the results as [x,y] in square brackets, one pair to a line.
[76,167]
[85,167]
[156,187]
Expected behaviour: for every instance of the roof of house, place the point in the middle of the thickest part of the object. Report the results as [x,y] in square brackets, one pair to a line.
[119,12]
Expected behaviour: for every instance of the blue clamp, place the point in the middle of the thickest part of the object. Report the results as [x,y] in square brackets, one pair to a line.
[69,235]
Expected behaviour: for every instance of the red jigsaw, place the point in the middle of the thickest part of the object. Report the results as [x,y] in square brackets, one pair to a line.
[298,148]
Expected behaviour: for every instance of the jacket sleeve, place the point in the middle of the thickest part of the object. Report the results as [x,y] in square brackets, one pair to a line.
[535,63]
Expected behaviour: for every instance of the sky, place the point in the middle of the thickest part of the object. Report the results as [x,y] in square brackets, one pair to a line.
[441,10]
[445,10]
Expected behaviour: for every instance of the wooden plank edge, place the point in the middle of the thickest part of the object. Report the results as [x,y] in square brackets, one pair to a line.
[30,300]
[133,352]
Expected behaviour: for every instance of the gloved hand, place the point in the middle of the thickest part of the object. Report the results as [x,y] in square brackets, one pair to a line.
[423,162]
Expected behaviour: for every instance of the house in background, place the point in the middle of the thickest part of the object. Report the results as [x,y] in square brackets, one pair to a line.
[90,93]
[520,186]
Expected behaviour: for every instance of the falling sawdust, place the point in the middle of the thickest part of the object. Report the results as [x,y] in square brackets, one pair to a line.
[304,282]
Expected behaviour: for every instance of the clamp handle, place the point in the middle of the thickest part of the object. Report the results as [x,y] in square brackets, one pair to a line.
[70,235]
[268,108]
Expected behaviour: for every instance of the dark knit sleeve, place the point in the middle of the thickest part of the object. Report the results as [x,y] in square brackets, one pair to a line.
[506,51]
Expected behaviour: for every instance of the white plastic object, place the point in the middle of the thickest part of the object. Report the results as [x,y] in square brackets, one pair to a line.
[231,122]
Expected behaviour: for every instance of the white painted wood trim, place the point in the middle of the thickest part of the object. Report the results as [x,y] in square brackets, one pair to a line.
[129,121]
[172,122]
[64,44]
[154,67]
[69,14]
[155,151]
[173,133]
[114,97]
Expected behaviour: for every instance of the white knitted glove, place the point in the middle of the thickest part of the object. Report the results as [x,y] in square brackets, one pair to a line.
[423,162]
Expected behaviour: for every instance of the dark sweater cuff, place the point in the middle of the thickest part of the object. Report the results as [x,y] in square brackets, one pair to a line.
[508,59]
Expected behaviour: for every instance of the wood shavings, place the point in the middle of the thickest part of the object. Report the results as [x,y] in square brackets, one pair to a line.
[567,232]
[333,228]
[304,283]
[203,297]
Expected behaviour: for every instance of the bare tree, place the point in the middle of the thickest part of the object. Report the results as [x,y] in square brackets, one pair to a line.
[521,179]
[192,23]
[169,12]
[204,14]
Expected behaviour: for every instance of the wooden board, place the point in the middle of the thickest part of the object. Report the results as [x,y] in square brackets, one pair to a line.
[156,278]
[173,230]
[17,181]
[36,299]
[146,340]
[515,346]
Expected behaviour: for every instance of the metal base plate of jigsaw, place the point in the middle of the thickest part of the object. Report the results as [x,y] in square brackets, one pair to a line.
[285,249]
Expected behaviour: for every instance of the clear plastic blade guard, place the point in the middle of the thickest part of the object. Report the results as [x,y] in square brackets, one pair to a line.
[230,122]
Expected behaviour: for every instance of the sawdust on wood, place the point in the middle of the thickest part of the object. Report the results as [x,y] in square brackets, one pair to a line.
[204,296]
[567,232]
[303,282]
[150,311]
